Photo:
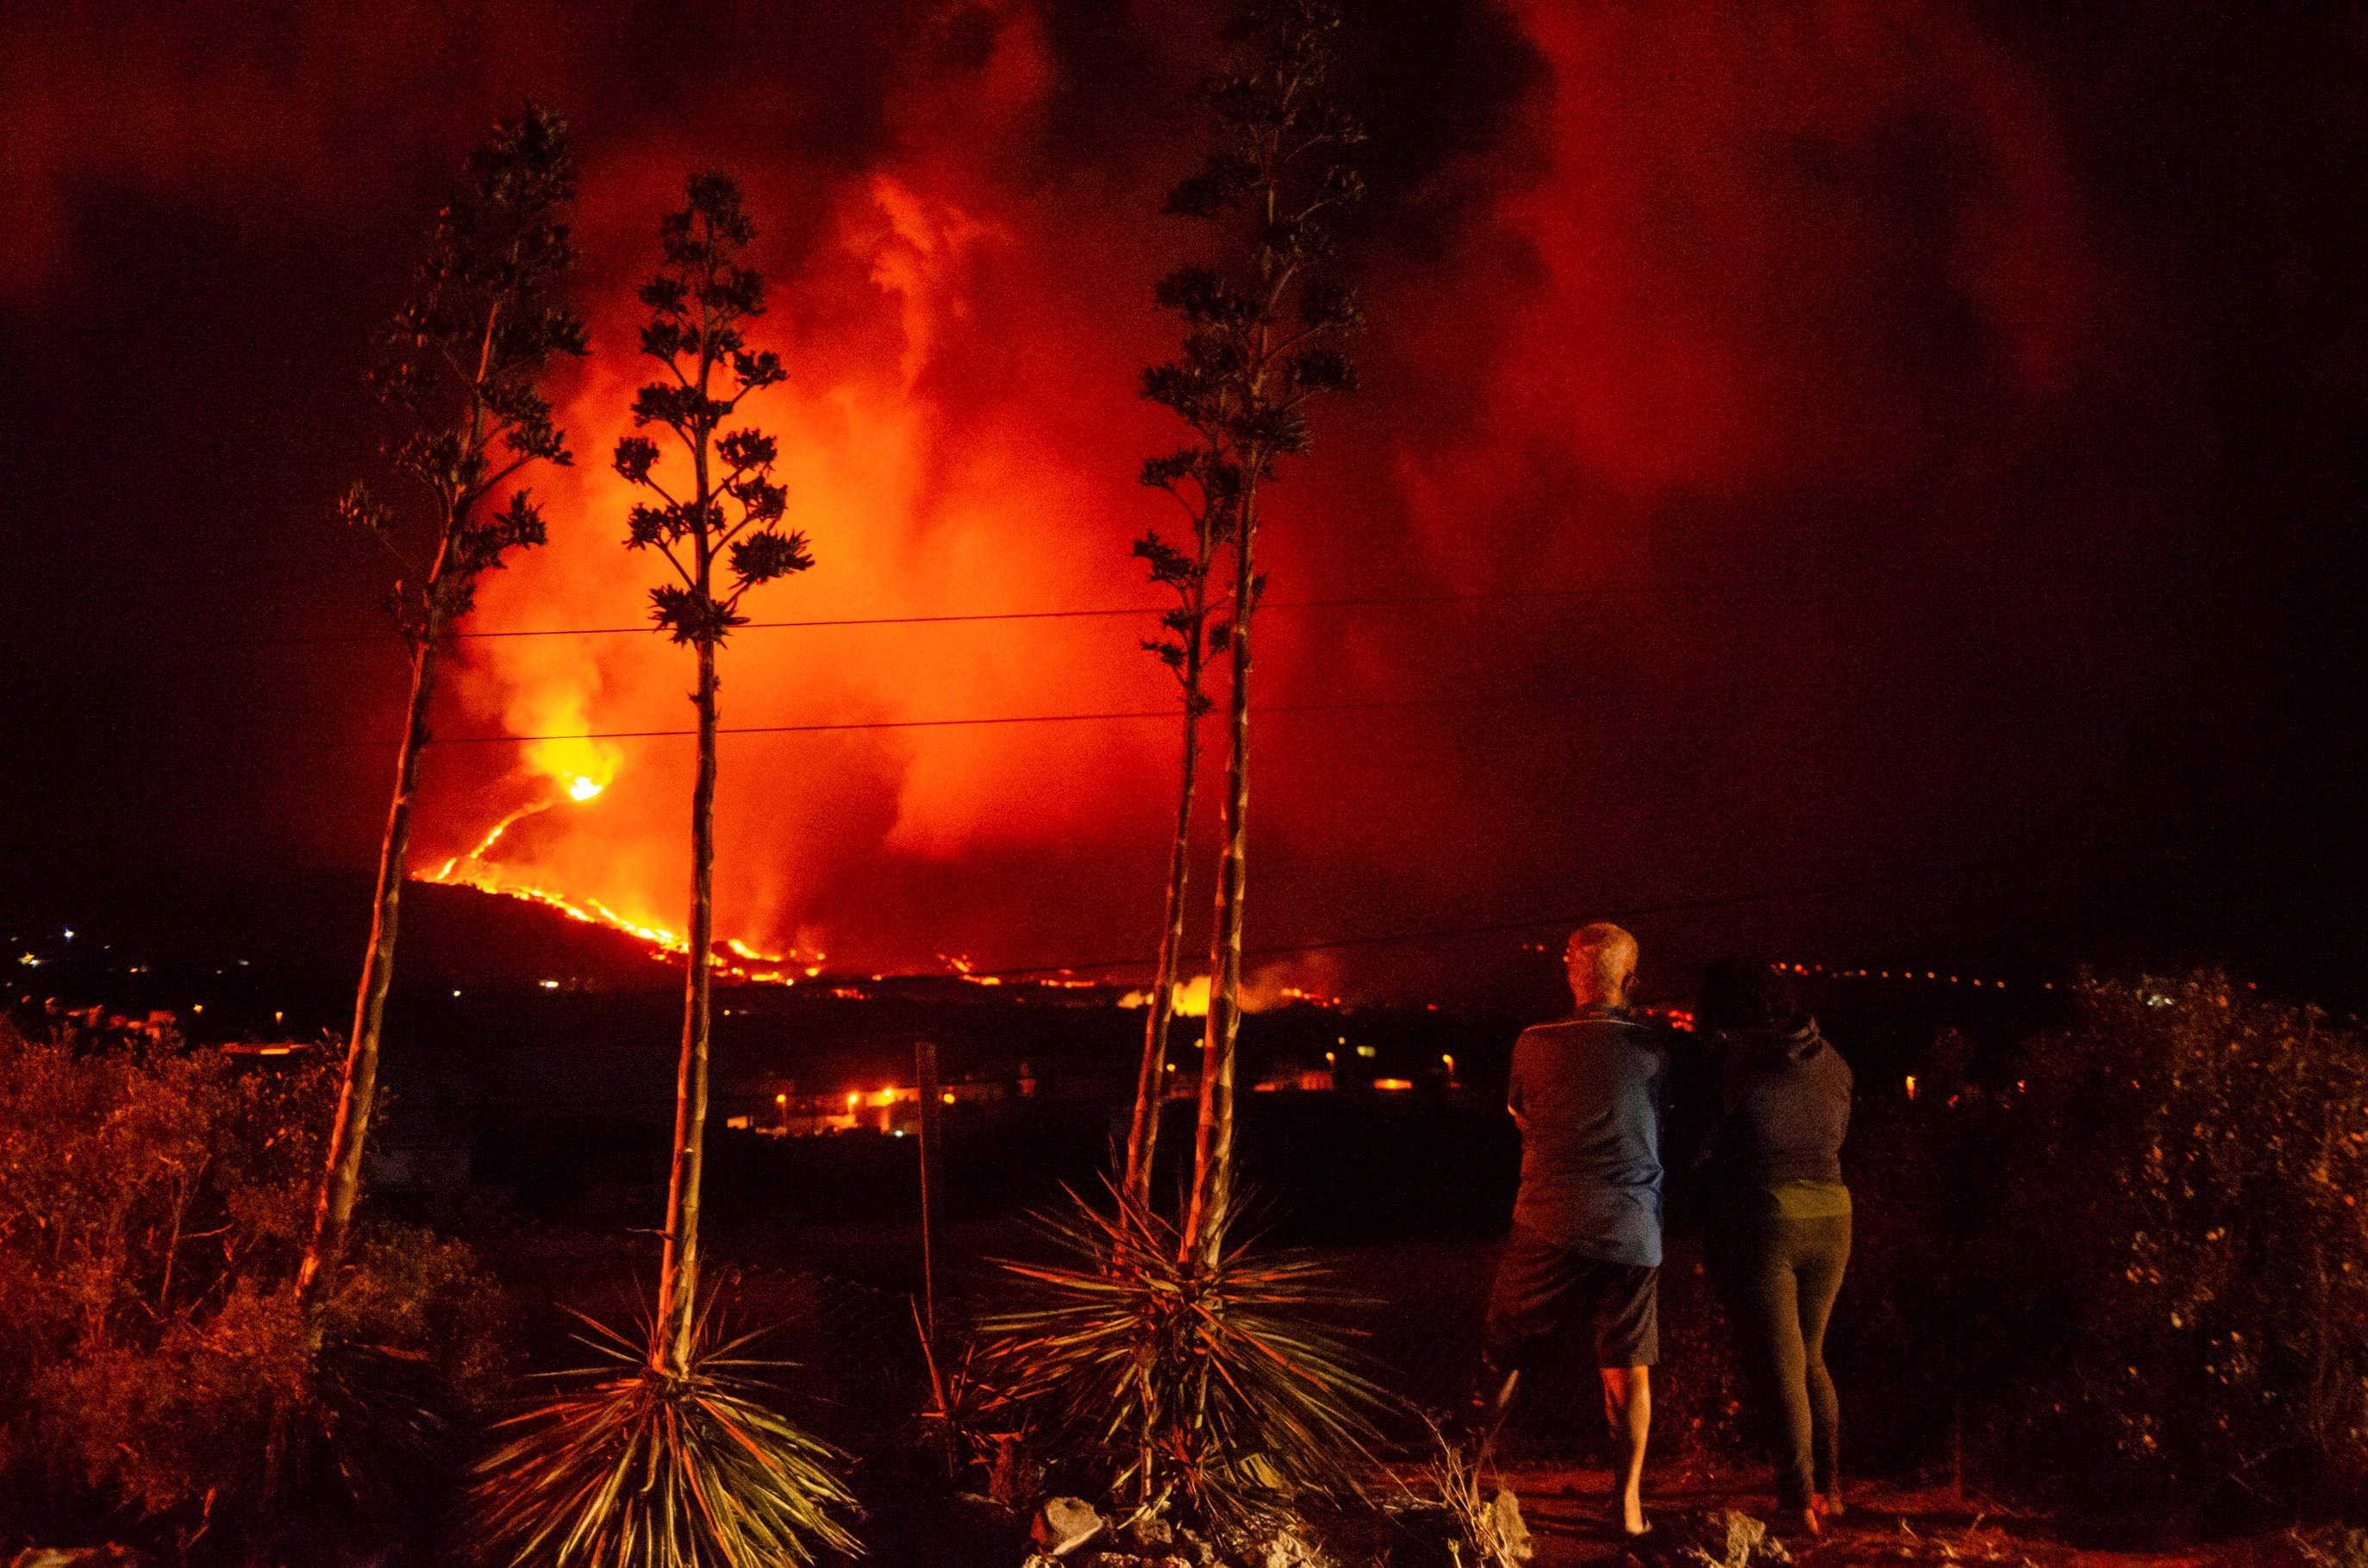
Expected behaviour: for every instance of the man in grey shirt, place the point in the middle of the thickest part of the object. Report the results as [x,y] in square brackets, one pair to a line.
[1586,1227]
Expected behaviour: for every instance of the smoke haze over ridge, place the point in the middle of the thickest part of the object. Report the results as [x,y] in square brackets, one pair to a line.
[1974,469]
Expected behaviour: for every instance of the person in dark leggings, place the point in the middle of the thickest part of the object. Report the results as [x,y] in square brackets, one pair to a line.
[1776,1107]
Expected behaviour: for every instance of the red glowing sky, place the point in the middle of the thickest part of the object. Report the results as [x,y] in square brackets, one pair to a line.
[1843,345]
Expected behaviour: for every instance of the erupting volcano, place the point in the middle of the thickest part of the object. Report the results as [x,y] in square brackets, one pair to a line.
[1788,450]
[1610,335]
[1716,610]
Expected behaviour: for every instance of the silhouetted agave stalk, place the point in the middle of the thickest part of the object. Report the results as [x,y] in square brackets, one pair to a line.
[1262,331]
[670,1457]
[718,531]
[464,360]
[1199,479]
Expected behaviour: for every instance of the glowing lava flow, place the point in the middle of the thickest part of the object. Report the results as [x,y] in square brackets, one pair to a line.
[472,869]
[591,911]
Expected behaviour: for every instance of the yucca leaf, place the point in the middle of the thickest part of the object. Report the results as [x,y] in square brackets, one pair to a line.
[626,1466]
[1209,1385]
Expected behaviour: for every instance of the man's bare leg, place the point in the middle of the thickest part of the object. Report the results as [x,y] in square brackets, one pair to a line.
[1628,1406]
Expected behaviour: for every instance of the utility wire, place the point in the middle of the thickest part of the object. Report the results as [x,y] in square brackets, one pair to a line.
[1680,590]
[1493,699]
[1719,901]
[2025,938]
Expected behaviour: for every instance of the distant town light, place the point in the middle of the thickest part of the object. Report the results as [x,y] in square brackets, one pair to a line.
[551,985]
[1394,1083]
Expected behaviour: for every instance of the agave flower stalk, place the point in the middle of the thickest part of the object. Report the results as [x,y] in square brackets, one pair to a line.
[464,365]
[1201,481]
[721,537]
[1262,333]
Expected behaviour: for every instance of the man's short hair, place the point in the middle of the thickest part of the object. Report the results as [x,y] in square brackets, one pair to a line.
[1605,953]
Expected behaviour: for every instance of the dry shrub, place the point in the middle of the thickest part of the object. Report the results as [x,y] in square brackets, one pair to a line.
[156,1375]
[2177,1289]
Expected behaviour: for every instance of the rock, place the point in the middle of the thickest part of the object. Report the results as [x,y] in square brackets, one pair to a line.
[1064,1524]
[1512,1542]
[1287,1548]
[1151,1536]
[1732,1538]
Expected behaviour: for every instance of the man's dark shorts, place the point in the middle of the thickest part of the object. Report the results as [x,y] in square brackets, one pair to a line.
[1542,1286]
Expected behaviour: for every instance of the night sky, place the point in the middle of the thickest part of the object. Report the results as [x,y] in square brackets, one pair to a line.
[1882,480]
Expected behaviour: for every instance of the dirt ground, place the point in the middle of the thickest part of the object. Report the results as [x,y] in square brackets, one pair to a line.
[1565,1510]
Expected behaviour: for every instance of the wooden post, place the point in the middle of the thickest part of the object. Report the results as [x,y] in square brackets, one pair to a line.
[925,1062]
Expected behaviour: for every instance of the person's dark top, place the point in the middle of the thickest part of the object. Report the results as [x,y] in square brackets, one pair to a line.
[1781,1104]
[1587,1093]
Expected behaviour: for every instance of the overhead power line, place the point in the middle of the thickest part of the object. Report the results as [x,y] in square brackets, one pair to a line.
[1638,911]
[1375,601]
[2027,937]
[1621,590]
[1173,712]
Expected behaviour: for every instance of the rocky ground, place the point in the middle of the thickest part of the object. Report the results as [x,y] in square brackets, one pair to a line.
[1704,1521]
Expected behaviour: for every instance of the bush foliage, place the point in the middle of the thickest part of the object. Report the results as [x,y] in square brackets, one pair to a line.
[2177,1264]
[154,1202]
[2123,1262]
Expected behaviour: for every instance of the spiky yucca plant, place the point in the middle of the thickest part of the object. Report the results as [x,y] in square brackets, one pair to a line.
[628,1466]
[1207,1387]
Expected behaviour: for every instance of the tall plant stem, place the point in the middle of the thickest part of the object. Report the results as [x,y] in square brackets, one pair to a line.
[333,1207]
[1212,1152]
[1150,1087]
[678,1270]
